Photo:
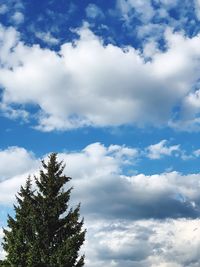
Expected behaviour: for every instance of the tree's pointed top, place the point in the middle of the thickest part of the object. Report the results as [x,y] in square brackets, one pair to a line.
[28,184]
[52,158]
[45,231]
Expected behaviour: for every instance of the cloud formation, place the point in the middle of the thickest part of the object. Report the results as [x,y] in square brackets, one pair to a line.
[19,158]
[94,12]
[131,220]
[115,87]
[169,243]
[143,9]
[161,149]
[18,17]
[99,171]
[134,63]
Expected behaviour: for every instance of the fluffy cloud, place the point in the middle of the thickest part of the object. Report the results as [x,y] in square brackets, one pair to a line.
[99,171]
[94,161]
[154,16]
[190,112]
[93,11]
[47,37]
[105,192]
[10,187]
[161,149]
[19,158]
[115,87]
[128,218]
[16,164]
[197,152]
[167,3]
[18,17]
[144,9]
[169,243]
[140,196]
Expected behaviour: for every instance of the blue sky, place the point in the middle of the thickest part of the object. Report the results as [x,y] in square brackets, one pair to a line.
[113,88]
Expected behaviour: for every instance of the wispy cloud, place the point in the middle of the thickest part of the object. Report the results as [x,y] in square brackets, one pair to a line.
[161,149]
[18,17]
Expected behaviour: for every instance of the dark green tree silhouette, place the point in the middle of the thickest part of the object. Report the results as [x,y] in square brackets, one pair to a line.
[45,232]
[17,238]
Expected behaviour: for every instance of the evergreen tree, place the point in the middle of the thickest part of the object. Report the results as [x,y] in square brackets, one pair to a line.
[45,232]
[17,238]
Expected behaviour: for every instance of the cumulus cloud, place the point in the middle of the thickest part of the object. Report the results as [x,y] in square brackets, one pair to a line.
[161,149]
[10,187]
[115,87]
[94,161]
[131,220]
[19,158]
[99,171]
[16,163]
[189,112]
[169,243]
[140,196]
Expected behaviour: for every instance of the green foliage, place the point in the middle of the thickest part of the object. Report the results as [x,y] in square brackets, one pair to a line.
[4,264]
[45,232]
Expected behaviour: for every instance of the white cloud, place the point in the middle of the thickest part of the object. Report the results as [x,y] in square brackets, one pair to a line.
[189,112]
[100,173]
[19,160]
[148,30]
[94,161]
[161,149]
[98,168]
[18,17]
[16,163]
[150,48]
[143,8]
[14,113]
[11,186]
[93,11]
[47,37]
[118,209]
[191,105]
[115,87]
[167,3]
[196,153]
[144,243]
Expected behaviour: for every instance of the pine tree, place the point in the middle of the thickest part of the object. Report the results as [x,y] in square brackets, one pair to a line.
[17,240]
[49,234]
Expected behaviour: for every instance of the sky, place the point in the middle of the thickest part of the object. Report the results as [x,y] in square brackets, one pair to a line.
[114,88]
